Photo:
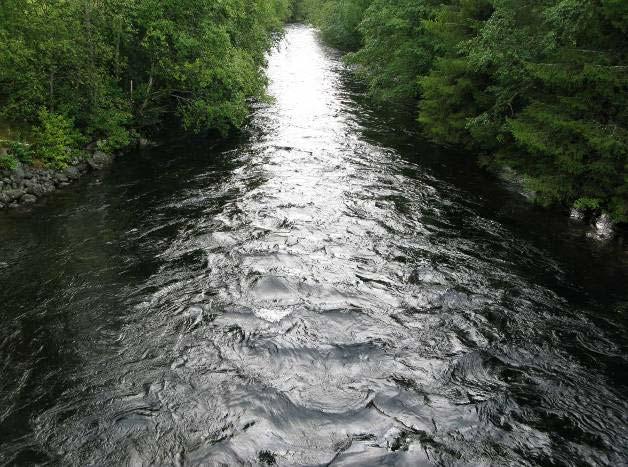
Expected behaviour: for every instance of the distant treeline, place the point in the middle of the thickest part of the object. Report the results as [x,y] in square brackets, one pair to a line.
[79,71]
[540,86]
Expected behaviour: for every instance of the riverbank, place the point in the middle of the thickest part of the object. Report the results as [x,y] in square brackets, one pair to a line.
[602,227]
[26,184]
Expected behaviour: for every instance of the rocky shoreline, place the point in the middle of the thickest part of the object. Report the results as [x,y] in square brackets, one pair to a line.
[26,184]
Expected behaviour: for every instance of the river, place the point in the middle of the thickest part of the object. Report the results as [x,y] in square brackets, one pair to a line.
[324,288]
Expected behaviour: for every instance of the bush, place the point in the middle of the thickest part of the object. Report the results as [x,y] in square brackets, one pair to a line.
[56,141]
[21,151]
[8,161]
[14,152]
[338,20]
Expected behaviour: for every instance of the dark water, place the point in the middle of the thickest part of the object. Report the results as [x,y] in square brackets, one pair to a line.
[325,289]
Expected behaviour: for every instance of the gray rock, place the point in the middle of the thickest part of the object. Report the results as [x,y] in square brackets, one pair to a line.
[60,177]
[99,160]
[48,187]
[8,196]
[35,187]
[14,205]
[28,173]
[28,199]
[18,173]
[72,173]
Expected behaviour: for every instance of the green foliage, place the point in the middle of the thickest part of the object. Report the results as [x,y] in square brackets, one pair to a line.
[338,20]
[397,47]
[13,152]
[455,97]
[8,161]
[537,85]
[22,152]
[56,141]
[116,68]
[589,204]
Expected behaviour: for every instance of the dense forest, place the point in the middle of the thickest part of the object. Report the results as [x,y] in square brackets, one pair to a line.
[538,88]
[535,86]
[80,72]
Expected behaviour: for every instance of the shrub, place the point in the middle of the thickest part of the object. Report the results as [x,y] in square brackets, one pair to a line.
[21,151]
[56,141]
[14,152]
[8,161]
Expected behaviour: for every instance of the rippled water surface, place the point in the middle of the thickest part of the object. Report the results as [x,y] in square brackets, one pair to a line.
[324,289]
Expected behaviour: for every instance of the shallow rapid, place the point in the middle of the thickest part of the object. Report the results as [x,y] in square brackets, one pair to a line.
[320,290]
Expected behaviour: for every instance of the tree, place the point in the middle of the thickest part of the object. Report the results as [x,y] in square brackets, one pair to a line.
[540,86]
[397,47]
[115,67]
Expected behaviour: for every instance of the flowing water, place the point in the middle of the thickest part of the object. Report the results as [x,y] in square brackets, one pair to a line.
[323,289]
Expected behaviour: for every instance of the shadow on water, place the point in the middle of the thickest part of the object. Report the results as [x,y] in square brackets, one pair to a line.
[326,288]
[592,268]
